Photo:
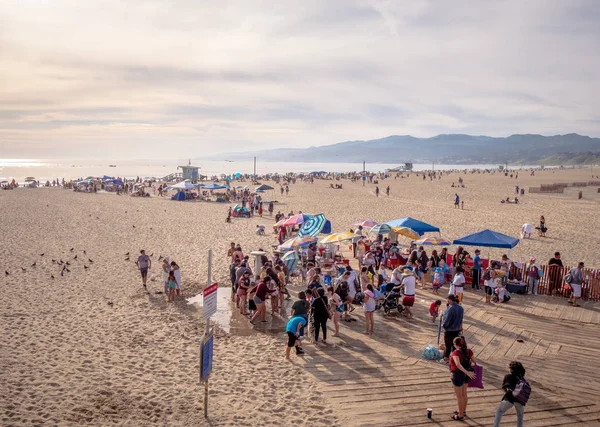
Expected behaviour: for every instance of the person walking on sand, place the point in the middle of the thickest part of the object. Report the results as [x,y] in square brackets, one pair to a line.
[377,191]
[516,393]
[387,191]
[144,263]
[461,361]
[456,200]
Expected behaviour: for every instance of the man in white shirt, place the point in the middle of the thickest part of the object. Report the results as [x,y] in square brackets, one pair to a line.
[458,284]
[409,284]
[355,240]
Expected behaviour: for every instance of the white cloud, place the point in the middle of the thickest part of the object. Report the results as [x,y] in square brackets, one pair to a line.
[88,76]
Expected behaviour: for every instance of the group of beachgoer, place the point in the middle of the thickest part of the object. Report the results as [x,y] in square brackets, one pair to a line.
[170,274]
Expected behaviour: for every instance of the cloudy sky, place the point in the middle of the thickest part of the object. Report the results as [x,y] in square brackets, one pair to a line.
[171,79]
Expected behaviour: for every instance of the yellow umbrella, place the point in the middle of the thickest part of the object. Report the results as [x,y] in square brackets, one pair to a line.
[408,232]
[338,237]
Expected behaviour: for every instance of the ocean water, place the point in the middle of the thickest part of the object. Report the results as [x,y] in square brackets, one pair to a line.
[47,169]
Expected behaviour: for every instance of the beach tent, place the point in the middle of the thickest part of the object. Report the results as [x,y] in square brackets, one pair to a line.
[213,186]
[488,239]
[414,224]
[180,196]
[183,185]
[263,187]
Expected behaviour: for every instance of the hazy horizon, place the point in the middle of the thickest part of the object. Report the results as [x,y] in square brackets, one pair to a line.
[158,80]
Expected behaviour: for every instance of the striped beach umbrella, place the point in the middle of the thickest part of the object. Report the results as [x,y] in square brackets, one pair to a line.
[366,223]
[381,229]
[434,241]
[297,219]
[291,260]
[297,242]
[407,232]
[313,226]
[280,222]
[338,237]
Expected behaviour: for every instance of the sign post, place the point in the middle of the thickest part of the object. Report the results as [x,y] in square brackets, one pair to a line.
[209,307]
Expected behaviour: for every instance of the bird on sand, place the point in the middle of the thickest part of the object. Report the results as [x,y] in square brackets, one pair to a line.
[75,257]
[84,252]
[52,276]
[34,264]
[72,249]
[160,257]
[6,273]
[24,271]
[42,254]
[53,261]
[127,259]
[110,303]
[68,263]
[127,254]
[85,267]
[152,254]
[68,271]
[89,259]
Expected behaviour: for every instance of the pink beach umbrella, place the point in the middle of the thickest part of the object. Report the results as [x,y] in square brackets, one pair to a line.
[296,220]
[367,223]
[280,222]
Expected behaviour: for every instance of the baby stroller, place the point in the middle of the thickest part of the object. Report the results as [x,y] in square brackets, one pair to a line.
[391,299]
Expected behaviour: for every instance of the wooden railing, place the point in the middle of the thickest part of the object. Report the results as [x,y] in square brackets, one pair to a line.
[551,282]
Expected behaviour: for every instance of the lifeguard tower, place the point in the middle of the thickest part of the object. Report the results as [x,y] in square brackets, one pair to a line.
[190,172]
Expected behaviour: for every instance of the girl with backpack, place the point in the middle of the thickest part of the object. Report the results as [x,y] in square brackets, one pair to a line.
[516,393]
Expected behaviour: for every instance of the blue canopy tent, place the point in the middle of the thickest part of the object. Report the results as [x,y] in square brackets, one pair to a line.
[414,224]
[488,239]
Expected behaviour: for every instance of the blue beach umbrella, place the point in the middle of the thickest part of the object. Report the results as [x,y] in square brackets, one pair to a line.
[291,260]
[313,226]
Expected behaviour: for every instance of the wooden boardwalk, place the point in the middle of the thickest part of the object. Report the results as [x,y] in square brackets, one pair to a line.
[382,381]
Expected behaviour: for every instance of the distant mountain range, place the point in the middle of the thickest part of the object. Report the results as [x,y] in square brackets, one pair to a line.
[449,149]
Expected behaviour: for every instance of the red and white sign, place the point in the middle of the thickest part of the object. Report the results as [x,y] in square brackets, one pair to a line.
[209,301]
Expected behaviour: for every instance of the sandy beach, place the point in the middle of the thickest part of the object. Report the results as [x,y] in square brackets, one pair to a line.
[90,347]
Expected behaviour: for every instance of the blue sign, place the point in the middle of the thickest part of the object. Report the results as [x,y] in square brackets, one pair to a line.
[207,358]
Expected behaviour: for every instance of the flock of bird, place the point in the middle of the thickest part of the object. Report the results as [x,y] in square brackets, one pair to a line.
[64,265]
